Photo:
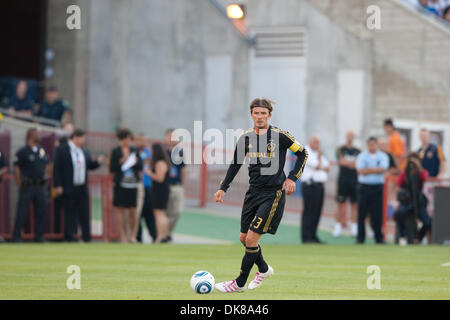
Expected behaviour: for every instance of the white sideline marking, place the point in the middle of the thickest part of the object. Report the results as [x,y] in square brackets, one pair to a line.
[446,264]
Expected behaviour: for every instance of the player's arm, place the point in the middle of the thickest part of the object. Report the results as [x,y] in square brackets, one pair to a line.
[302,156]
[300,162]
[238,159]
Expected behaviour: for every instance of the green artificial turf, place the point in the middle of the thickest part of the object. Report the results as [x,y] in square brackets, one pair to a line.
[136,271]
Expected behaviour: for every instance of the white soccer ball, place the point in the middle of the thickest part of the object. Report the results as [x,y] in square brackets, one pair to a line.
[202,282]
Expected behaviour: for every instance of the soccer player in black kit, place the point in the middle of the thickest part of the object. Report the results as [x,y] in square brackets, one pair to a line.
[265,147]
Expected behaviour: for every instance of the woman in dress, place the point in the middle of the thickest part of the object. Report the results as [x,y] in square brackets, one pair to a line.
[159,172]
[126,165]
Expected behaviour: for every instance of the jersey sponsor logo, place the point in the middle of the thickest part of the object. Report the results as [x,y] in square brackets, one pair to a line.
[262,154]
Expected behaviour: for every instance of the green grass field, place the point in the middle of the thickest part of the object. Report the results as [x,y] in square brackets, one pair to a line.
[121,271]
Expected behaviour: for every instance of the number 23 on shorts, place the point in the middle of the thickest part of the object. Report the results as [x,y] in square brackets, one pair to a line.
[257,224]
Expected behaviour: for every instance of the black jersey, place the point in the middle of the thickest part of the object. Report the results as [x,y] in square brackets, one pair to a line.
[346,174]
[266,156]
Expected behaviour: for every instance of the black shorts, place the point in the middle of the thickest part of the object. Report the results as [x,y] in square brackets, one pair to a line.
[262,211]
[347,190]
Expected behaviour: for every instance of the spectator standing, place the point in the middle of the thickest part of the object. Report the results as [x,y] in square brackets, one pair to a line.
[371,165]
[30,171]
[20,104]
[314,176]
[53,108]
[414,202]
[396,145]
[146,210]
[126,165]
[159,172]
[176,180]
[70,177]
[431,156]
[383,146]
[347,184]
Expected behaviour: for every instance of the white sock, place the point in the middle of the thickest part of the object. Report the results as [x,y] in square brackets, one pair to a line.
[354,229]
[337,229]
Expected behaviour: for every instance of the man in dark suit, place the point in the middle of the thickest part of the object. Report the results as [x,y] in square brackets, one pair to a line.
[70,168]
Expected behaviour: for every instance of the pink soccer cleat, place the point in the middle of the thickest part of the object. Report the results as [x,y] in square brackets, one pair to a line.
[259,278]
[229,286]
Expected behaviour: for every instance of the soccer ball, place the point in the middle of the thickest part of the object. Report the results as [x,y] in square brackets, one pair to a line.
[202,282]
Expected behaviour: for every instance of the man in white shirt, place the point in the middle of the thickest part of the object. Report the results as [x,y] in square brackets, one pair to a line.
[314,176]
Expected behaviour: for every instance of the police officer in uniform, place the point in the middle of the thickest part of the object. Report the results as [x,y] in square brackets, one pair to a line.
[30,169]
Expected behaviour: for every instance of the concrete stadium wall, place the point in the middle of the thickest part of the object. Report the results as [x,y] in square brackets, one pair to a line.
[411,67]
[330,49]
[142,64]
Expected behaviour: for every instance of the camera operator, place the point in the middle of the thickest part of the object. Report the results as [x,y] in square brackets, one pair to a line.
[413,202]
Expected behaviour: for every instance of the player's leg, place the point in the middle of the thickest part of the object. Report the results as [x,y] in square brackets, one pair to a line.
[271,212]
[252,251]
[260,263]
[247,216]
[242,237]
